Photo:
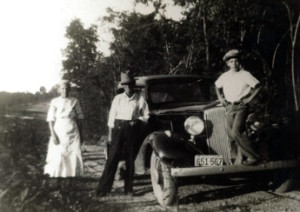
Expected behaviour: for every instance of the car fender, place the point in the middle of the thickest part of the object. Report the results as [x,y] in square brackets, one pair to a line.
[169,146]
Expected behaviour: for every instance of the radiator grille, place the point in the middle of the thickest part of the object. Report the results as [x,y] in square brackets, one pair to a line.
[217,139]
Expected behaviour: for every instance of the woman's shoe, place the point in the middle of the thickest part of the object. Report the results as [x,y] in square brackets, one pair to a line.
[100,193]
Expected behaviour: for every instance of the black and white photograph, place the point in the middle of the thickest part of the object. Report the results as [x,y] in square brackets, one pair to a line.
[150,105]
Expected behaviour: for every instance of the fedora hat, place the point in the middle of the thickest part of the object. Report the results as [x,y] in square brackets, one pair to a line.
[126,78]
[234,53]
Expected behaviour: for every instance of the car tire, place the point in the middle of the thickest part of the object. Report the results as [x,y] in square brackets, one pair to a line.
[164,186]
[285,180]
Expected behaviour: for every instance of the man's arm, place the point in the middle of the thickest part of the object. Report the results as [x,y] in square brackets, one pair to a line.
[109,135]
[113,112]
[111,118]
[221,96]
[144,110]
[254,92]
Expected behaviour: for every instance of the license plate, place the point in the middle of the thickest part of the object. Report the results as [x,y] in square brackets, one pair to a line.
[208,160]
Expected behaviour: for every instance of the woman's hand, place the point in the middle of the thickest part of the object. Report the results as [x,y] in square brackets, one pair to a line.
[55,139]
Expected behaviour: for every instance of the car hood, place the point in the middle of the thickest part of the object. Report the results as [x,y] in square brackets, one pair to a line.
[185,109]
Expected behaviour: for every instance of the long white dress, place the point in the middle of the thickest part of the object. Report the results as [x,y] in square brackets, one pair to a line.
[64,159]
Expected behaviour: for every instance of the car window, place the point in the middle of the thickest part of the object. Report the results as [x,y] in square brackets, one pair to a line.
[168,92]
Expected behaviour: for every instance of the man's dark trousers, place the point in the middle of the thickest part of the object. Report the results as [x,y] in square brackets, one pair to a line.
[124,137]
[236,116]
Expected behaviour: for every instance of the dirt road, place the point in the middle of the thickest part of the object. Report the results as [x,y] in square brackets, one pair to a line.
[211,194]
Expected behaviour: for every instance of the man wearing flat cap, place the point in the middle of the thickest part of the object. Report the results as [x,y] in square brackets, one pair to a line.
[128,112]
[235,89]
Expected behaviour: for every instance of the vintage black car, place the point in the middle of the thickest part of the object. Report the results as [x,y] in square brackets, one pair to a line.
[187,136]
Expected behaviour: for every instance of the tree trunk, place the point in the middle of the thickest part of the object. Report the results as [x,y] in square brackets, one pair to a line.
[293,64]
[206,40]
[293,35]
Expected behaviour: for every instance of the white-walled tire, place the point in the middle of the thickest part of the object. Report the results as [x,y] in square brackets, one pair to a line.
[164,186]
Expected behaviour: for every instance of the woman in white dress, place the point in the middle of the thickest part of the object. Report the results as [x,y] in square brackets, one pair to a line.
[64,157]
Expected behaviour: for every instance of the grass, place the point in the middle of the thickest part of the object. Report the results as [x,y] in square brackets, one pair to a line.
[23,146]
[34,111]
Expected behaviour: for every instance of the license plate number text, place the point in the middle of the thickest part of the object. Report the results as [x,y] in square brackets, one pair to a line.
[208,160]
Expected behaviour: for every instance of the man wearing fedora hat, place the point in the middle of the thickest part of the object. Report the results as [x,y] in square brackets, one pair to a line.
[235,89]
[128,112]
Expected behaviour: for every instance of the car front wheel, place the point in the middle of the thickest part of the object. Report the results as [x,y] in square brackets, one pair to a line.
[286,180]
[164,186]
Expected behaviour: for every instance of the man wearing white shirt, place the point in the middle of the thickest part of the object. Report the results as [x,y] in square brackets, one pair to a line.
[235,89]
[128,112]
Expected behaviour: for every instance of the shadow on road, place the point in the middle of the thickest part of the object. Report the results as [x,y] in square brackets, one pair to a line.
[226,188]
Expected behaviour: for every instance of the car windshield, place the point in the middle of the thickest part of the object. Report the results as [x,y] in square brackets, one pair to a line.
[170,92]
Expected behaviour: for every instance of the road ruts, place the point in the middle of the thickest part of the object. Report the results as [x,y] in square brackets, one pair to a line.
[211,194]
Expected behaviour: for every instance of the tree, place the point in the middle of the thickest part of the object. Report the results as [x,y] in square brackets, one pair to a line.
[293,31]
[82,68]
[42,90]
[81,53]
[137,45]
[266,31]
[146,44]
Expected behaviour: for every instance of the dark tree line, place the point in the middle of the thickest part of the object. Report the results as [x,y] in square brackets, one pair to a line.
[266,31]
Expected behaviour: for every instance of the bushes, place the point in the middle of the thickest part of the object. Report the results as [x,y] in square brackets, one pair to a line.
[23,144]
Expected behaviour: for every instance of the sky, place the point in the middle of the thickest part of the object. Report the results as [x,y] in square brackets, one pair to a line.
[32,37]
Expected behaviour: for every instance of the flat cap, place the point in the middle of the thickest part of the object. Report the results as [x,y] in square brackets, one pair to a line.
[234,53]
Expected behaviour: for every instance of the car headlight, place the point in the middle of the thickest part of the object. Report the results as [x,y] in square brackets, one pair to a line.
[194,125]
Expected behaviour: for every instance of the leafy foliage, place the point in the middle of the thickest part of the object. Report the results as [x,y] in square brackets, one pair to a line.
[21,165]
[23,187]
[154,44]
[150,44]
[82,67]
[197,43]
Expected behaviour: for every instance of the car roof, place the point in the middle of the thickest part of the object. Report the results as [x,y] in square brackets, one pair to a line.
[144,80]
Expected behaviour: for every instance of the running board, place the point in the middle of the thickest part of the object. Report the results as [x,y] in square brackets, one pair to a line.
[226,169]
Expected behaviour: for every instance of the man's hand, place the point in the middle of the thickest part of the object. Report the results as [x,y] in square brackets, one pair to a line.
[109,135]
[224,102]
[254,92]
[55,139]
[134,122]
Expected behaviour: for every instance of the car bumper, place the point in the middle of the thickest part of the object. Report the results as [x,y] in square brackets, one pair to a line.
[227,169]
